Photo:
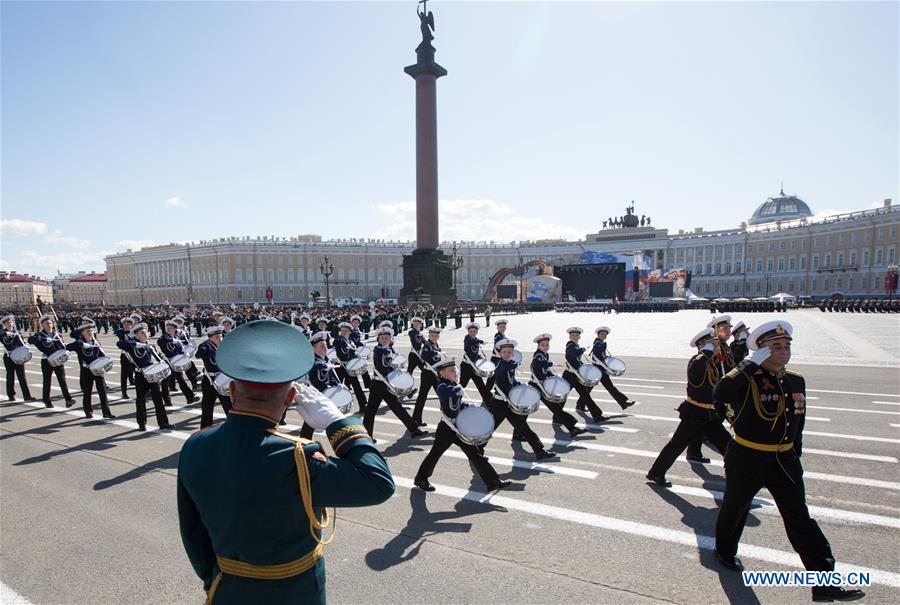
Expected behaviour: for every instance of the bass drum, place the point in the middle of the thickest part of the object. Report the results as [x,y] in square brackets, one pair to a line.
[356,366]
[400,383]
[20,355]
[158,372]
[222,383]
[341,396]
[524,399]
[474,425]
[556,389]
[589,375]
[58,358]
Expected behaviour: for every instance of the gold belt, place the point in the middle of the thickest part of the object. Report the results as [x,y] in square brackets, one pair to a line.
[705,406]
[282,571]
[764,447]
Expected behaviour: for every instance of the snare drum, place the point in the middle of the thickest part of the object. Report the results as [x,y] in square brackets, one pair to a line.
[157,372]
[484,368]
[332,356]
[58,358]
[188,350]
[589,375]
[180,363]
[524,399]
[363,351]
[341,396]
[556,389]
[221,383]
[400,383]
[20,355]
[356,366]
[474,425]
[398,362]
[613,366]
[101,366]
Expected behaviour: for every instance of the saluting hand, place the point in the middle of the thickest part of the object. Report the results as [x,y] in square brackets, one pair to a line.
[316,409]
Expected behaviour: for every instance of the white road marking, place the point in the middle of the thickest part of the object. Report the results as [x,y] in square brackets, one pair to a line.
[886,402]
[643,530]
[870,457]
[8,596]
[822,407]
[854,437]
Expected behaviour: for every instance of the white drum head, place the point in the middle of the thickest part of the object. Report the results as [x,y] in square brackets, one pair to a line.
[355,366]
[475,422]
[556,386]
[221,384]
[524,395]
[590,372]
[341,396]
[616,366]
[58,358]
[400,380]
[486,366]
[20,355]
[364,351]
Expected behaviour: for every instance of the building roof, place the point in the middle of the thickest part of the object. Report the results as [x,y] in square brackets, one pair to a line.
[90,277]
[13,277]
[780,207]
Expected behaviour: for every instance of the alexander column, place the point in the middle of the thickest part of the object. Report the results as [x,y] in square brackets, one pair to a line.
[426,272]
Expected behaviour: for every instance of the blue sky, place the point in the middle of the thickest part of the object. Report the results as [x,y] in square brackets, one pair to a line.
[127,123]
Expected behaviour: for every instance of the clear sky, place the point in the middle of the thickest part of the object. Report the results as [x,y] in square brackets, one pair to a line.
[129,122]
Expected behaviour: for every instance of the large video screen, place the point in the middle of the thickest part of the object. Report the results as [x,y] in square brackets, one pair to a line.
[507,292]
[662,289]
[604,280]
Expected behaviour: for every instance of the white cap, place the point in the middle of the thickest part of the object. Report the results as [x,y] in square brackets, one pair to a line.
[138,327]
[171,322]
[45,317]
[603,329]
[472,324]
[225,318]
[544,336]
[436,329]
[7,318]
[720,319]
[213,330]
[574,329]
[345,324]
[444,362]
[356,317]
[770,330]
[703,334]
[384,330]
[318,337]
[738,327]
[501,321]
[505,342]
[127,318]
[418,319]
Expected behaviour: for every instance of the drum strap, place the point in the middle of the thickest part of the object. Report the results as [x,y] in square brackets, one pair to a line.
[500,394]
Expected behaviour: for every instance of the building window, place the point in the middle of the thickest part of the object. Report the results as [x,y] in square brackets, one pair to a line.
[878,257]
[727,267]
[718,267]
[840,239]
[706,286]
[758,286]
[803,244]
[792,263]
[759,265]
[853,258]
[815,242]
[880,233]
[839,282]
[769,264]
[737,267]
[802,263]
[237,259]
[780,265]
[828,241]
[849,283]
[708,268]
[781,245]
[793,244]
[771,246]
[890,256]
[814,284]
[815,261]
[865,262]
[840,261]
[827,261]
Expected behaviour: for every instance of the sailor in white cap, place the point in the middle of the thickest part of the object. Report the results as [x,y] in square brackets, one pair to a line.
[206,352]
[145,356]
[126,365]
[450,396]
[540,371]
[382,356]
[495,353]
[227,324]
[574,351]
[171,346]
[304,326]
[48,341]
[356,337]
[89,350]
[345,351]
[739,334]
[767,409]
[416,340]
[700,415]
[431,354]
[505,380]
[471,355]
[189,346]
[598,352]
[12,340]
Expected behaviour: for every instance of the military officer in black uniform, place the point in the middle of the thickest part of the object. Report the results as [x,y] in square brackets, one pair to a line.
[450,395]
[738,344]
[126,366]
[12,340]
[472,353]
[724,360]
[206,352]
[540,370]
[699,414]
[431,353]
[49,341]
[767,408]
[506,380]
[251,500]
[574,351]
[88,350]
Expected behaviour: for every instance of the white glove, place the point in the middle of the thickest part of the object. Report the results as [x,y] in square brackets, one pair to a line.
[88,345]
[316,409]
[459,389]
[760,355]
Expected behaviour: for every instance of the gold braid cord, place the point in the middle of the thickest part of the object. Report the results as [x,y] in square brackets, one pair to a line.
[761,411]
[306,495]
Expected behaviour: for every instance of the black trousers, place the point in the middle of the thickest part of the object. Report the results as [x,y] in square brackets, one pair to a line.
[169,385]
[584,395]
[208,402]
[88,381]
[428,381]
[143,387]
[467,373]
[379,393]
[560,415]
[367,379]
[126,374]
[413,362]
[500,410]
[612,390]
[353,383]
[695,422]
[746,472]
[47,371]
[192,374]
[444,437]
[13,372]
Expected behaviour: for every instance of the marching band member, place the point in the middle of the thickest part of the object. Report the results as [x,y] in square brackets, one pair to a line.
[186,341]
[431,353]
[450,394]
[739,334]
[322,375]
[356,337]
[540,369]
[381,357]
[322,324]
[416,340]
[767,407]
[346,350]
[599,352]
[13,340]
[699,414]
[144,356]
[495,353]
[49,341]
[472,353]
[88,350]
[227,324]
[206,352]
[573,362]
[126,372]
[304,325]
[506,380]
[171,347]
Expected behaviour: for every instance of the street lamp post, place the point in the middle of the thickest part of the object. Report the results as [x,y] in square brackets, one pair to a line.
[327,270]
[456,263]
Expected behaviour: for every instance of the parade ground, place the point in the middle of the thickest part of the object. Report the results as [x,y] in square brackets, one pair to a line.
[89,508]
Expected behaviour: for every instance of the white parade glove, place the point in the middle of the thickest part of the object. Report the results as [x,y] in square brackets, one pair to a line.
[316,409]
[459,389]
[760,355]
[88,345]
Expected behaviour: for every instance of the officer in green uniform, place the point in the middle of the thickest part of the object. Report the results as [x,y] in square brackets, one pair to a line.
[766,405]
[251,499]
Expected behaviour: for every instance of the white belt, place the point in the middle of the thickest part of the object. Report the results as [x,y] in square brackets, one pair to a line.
[499,394]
